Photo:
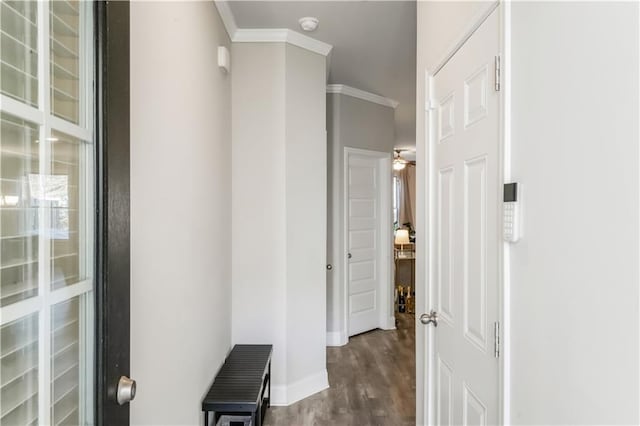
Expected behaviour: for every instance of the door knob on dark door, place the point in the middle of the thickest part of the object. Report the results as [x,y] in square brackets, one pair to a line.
[126,390]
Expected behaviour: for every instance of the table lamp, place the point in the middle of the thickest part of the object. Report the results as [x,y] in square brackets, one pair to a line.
[402,237]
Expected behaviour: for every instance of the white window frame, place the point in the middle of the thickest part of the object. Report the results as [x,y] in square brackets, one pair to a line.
[46,299]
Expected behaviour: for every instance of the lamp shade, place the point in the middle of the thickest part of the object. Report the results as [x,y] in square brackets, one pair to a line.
[402,236]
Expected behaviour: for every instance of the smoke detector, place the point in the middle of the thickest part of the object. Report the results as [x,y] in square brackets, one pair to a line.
[308,23]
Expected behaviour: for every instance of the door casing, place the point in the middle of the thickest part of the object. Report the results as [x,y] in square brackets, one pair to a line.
[426,244]
[387,319]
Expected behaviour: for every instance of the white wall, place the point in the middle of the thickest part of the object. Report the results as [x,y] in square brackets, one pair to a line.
[258,233]
[180,209]
[354,123]
[279,208]
[306,188]
[574,275]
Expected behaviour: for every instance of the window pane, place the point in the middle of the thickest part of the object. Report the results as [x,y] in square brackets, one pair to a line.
[65,59]
[19,372]
[67,189]
[19,158]
[19,52]
[65,363]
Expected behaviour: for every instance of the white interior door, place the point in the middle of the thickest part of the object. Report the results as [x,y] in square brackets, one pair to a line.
[363,242]
[465,147]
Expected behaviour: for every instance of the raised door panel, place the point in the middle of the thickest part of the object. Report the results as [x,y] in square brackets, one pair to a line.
[474,411]
[445,233]
[444,386]
[475,256]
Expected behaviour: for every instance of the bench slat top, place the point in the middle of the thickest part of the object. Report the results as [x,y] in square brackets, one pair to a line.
[240,378]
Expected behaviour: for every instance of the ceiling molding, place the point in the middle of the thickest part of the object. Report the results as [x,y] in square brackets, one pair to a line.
[309,43]
[227,17]
[361,94]
[268,35]
[259,35]
[281,35]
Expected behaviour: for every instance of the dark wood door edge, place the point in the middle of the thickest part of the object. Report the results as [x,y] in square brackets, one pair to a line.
[113,208]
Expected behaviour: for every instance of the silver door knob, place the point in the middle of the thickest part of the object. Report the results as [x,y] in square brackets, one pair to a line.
[329,267]
[430,318]
[126,390]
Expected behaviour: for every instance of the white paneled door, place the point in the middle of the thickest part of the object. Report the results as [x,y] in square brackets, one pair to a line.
[365,238]
[465,292]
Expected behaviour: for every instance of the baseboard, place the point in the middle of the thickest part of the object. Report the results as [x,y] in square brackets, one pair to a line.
[337,338]
[287,395]
[279,395]
[391,323]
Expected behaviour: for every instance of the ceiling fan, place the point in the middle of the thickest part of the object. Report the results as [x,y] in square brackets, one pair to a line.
[399,163]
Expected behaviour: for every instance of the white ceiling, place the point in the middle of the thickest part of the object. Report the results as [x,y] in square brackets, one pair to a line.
[374,45]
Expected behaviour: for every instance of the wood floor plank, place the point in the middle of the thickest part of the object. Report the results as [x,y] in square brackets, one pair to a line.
[372,381]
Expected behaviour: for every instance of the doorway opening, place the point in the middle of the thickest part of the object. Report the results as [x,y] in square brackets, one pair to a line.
[372,373]
[404,251]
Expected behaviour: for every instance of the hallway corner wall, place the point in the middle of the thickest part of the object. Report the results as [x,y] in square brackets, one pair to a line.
[278,234]
[180,209]
[306,218]
[258,232]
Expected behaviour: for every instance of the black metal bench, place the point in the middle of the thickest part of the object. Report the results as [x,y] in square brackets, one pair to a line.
[242,386]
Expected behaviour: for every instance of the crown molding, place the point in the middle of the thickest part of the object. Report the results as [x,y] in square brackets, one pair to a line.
[361,94]
[268,35]
[297,39]
[227,17]
[281,35]
[259,35]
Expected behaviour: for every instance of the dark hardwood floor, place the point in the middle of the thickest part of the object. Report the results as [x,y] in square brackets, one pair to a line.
[372,381]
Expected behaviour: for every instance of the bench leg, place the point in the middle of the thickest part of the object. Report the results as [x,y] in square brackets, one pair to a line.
[269,400]
[206,418]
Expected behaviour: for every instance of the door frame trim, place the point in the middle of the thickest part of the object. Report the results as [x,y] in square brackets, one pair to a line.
[426,213]
[386,320]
